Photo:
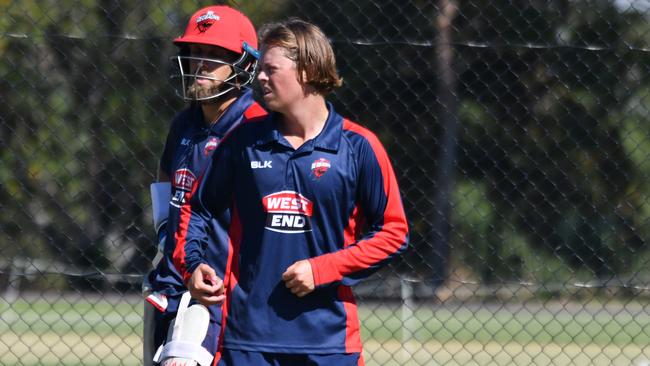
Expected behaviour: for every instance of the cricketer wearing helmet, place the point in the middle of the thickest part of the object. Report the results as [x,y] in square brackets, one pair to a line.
[216,62]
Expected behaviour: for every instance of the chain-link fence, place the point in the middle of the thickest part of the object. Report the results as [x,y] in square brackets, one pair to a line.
[519,131]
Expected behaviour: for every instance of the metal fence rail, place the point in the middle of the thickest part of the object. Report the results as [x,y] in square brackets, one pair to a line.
[519,132]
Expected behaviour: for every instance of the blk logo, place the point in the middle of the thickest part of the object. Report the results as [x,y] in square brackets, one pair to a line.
[266,164]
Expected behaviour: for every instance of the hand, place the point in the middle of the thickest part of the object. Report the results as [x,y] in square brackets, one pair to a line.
[299,278]
[205,286]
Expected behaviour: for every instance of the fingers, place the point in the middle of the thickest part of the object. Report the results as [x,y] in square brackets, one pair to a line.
[205,286]
[209,289]
[298,278]
[293,285]
[289,273]
[298,289]
[290,277]
[207,296]
[214,285]
[211,300]
[210,277]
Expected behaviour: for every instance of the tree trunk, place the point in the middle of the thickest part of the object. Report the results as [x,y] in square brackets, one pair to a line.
[448,102]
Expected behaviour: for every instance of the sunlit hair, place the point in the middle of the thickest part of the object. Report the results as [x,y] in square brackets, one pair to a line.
[306,45]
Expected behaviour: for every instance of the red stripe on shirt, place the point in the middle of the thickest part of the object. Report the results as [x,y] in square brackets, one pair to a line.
[254,113]
[333,267]
[235,238]
[352,230]
[230,275]
[180,235]
[352,334]
[352,338]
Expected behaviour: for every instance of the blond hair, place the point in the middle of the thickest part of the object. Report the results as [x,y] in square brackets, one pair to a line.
[306,45]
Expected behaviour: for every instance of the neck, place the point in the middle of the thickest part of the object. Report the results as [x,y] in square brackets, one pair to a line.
[212,112]
[305,120]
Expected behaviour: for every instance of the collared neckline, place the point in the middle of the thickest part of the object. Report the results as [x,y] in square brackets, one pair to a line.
[328,139]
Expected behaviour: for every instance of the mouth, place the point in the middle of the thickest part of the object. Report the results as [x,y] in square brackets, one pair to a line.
[202,80]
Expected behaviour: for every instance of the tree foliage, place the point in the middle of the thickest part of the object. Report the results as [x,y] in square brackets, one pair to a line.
[550,98]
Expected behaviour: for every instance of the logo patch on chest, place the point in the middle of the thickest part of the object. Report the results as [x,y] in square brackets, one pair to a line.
[320,167]
[210,146]
[184,180]
[288,212]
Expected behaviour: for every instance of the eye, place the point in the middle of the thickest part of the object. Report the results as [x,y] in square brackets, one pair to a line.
[215,54]
[195,51]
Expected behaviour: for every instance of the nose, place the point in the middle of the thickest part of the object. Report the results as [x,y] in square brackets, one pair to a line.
[197,66]
[262,77]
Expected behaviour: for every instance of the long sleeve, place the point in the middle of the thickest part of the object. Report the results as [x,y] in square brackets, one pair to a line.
[210,195]
[380,207]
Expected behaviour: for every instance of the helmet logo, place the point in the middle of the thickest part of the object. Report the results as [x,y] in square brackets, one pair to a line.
[205,21]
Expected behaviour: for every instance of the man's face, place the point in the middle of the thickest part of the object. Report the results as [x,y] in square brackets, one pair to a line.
[209,74]
[278,77]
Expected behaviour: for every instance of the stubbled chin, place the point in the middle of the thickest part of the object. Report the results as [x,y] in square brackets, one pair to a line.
[201,91]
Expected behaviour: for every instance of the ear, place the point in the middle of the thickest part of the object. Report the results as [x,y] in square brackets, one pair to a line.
[302,81]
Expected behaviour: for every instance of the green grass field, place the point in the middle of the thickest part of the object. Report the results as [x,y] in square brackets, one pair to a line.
[101,332]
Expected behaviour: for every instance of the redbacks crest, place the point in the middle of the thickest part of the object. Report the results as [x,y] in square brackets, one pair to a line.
[210,146]
[320,167]
[205,21]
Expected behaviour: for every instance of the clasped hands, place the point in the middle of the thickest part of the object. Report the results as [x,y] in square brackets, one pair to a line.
[208,289]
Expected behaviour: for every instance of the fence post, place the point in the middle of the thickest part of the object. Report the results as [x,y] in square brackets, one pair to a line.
[408,315]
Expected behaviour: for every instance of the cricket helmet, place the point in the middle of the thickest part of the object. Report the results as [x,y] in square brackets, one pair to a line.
[224,27]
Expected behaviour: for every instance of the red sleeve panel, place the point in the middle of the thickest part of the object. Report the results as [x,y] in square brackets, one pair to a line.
[180,235]
[379,205]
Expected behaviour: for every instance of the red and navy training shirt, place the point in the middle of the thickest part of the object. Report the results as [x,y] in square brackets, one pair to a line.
[189,146]
[334,201]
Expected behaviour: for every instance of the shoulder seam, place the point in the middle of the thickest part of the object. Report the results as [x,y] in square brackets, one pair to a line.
[353,151]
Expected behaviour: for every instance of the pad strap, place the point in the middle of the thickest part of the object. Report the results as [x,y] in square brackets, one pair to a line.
[184,348]
[158,300]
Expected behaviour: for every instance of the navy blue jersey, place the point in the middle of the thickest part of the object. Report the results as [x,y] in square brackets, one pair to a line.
[334,201]
[189,146]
